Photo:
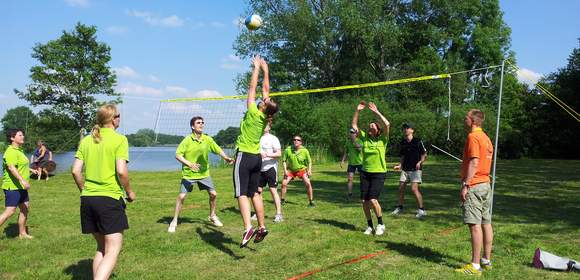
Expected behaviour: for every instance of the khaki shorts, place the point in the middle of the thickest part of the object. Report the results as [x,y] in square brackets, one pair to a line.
[476,208]
[411,176]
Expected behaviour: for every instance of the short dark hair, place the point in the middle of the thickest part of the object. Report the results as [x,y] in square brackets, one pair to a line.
[192,121]
[477,116]
[11,132]
[271,108]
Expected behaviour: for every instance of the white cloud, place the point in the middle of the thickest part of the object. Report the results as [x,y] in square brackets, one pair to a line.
[77,3]
[239,21]
[205,93]
[529,77]
[217,24]
[126,72]
[115,30]
[155,20]
[176,90]
[154,79]
[137,89]
[231,62]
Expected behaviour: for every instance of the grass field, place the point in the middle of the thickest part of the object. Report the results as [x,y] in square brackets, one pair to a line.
[536,205]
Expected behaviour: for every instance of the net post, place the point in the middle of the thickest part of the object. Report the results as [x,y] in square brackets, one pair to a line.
[493,177]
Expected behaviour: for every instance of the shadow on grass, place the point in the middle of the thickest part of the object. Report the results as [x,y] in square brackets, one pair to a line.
[11,230]
[218,240]
[414,251]
[81,270]
[180,220]
[337,224]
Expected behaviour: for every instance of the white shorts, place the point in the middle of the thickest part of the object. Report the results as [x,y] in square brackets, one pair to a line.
[411,176]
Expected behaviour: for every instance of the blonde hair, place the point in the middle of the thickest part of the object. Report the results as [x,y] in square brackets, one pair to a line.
[105,115]
[477,116]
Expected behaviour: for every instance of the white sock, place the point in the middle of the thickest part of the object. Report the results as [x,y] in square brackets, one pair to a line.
[485,261]
[476,266]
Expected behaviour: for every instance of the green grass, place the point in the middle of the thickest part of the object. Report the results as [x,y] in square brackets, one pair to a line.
[536,205]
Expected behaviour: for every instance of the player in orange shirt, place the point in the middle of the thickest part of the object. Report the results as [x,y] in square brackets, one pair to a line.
[476,192]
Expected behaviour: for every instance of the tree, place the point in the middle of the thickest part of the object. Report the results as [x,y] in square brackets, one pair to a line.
[73,70]
[313,44]
[227,137]
[19,117]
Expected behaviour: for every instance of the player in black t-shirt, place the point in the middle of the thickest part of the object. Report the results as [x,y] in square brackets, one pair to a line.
[413,154]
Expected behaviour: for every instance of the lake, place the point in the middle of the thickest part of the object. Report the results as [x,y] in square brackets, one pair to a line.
[140,159]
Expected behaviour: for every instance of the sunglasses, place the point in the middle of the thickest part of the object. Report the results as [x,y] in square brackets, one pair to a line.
[299,140]
[117,116]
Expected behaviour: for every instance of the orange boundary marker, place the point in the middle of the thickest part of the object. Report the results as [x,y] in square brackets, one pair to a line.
[309,273]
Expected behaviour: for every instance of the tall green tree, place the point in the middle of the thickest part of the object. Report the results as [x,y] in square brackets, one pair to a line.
[19,117]
[73,71]
[321,43]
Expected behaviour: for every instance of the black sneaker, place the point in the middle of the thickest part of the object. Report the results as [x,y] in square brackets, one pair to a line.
[283,202]
[311,204]
[247,236]
[260,235]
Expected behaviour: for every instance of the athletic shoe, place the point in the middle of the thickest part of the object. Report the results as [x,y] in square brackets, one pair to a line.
[254,217]
[172,227]
[24,236]
[278,218]
[397,211]
[369,231]
[247,236]
[485,266]
[215,220]
[260,235]
[282,201]
[468,269]
[349,197]
[380,230]
[421,214]
[311,204]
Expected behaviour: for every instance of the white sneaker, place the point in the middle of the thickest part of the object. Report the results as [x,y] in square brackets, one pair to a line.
[254,217]
[369,231]
[421,214]
[380,230]
[278,218]
[172,227]
[397,211]
[215,220]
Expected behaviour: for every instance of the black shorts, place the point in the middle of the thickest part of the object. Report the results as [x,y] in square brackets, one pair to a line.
[103,214]
[269,177]
[353,168]
[371,185]
[246,174]
[15,197]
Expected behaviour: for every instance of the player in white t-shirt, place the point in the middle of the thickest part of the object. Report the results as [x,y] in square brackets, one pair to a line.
[271,150]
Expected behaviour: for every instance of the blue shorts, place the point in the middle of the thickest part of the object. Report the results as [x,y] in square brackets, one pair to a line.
[353,168]
[15,197]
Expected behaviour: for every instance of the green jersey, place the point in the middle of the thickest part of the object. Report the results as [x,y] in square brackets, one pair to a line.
[197,151]
[354,154]
[296,160]
[374,153]
[14,157]
[100,160]
[251,129]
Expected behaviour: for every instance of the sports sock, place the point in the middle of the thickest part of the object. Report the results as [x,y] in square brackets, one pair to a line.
[380,220]
[400,206]
[476,266]
[422,208]
[370,223]
[485,261]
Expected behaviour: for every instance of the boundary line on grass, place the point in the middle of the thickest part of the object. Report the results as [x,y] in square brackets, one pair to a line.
[351,261]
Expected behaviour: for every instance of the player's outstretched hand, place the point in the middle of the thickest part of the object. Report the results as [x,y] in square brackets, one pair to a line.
[360,106]
[373,107]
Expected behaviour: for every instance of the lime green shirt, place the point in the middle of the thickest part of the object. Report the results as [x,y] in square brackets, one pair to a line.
[197,151]
[374,153]
[354,154]
[251,129]
[14,157]
[100,162]
[296,160]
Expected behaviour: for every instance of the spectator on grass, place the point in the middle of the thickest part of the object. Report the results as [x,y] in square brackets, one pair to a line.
[413,154]
[40,160]
[372,177]
[15,181]
[193,154]
[297,164]
[104,188]
[271,150]
[476,192]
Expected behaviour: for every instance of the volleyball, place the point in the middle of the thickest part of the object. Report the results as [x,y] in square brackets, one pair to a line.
[253,22]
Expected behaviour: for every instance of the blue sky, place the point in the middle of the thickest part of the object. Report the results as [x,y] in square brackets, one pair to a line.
[167,49]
